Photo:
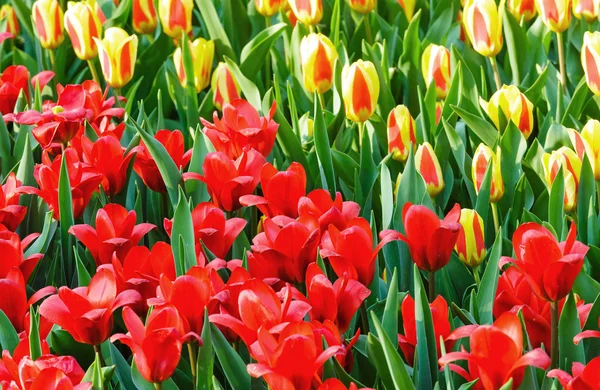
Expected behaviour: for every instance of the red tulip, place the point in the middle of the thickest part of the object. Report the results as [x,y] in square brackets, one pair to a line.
[86,312]
[336,384]
[14,79]
[319,204]
[146,167]
[281,191]
[333,337]
[351,252]
[585,377]
[551,268]
[284,249]
[496,354]
[116,232]
[337,302]
[98,105]
[12,248]
[46,372]
[157,346]
[241,127]
[441,326]
[430,240]
[228,180]
[259,306]
[11,213]
[212,228]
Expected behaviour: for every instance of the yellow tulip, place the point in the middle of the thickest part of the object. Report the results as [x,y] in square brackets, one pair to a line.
[318,56]
[118,53]
[483,24]
[203,53]
[435,65]
[470,245]
[483,157]
[82,25]
[591,136]
[429,167]
[308,12]
[555,14]
[590,59]
[48,21]
[515,107]
[224,86]
[570,163]
[360,90]
[401,131]
[176,16]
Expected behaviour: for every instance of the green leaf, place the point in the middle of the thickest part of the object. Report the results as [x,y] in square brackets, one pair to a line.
[24,15]
[122,371]
[387,196]
[206,357]
[479,126]
[323,150]
[427,366]
[555,206]
[183,233]
[65,202]
[390,312]
[580,98]
[489,283]
[215,29]
[83,276]
[257,50]
[248,88]
[40,245]
[8,335]
[142,384]
[569,327]
[516,43]
[202,146]
[232,364]
[483,198]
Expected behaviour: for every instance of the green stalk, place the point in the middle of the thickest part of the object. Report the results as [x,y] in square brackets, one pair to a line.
[554,334]
[561,62]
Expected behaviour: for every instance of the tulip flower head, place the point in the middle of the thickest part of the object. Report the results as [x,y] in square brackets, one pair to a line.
[556,14]
[360,90]
[318,57]
[224,86]
[591,137]
[362,6]
[46,372]
[401,131]
[268,8]
[483,24]
[203,52]
[470,245]
[522,9]
[435,64]
[483,157]
[11,212]
[586,9]
[584,376]
[308,12]
[590,60]
[408,6]
[82,25]
[143,15]
[118,53]
[175,17]
[429,167]
[12,23]
[570,163]
[328,211]
[514,106]
[48,23]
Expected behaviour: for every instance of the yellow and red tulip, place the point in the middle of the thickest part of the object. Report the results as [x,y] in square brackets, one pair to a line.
[82,25]
[48,21]
[556,14]
[268,8]
[224,86]
[176,17]
[483,157]
[590,60]
[470,245]
[360,90]
[515,107]
[143,15]
[401,131]
[429,167]
[435,65]
[483,24]
[522,9]
[318,56]
[571,168]
[12,23]
[203,53]
[308,12]
[362,6]
[591,137]
[409,8]
[118,53]
[586,9]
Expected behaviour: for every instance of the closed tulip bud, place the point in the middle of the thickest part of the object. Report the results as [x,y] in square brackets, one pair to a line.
[580,146]
[48,20]
[268,8]
[590,60]
[470,245]
[591,137]
[224,86]
[118,53]
[82,25]
[435,64]
[570,163]
[308,12]
[555,14]
[203,53]
[408,6]
[522,9]
[483,24]
[428,166]
[515,107]
[12,23]
[586,9]
[144,16]
[362,6]
[318,57]
[483,157]
[360,90]
[401,133]
[176,16]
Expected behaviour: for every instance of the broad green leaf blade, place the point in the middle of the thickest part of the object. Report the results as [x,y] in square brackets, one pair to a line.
[183,232]
[65,202]
[323,150]
[215,29]
[206,358]
[232,364]
[489,283]
[8,335]
[569,327]
[248,87]
[389,321]
[257,50]
[427,366]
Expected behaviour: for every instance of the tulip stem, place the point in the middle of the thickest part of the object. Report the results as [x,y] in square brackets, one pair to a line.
[268,59]
[554,333]
[476,276]
[368,31]
[158,385]
[53,66]
[93,71]
[361,129]
[494,64]
[192,353]
[561,61]
[495,215]
[98,351]
[431,281]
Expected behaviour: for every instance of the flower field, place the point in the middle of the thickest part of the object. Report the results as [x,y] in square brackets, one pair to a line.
[300,194]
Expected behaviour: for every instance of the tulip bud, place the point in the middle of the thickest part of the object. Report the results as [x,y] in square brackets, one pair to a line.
[401,133]
[176,16]
[267,8]
[48,19]
[429,167]
[470,245]
[591,136]
[224,86]
[483,25]
[515,107]
[308,12]
[408,6]
[586,9]
[590,60]
[82,25]
[435,64]
[522,9]
[203,52]
[360,90]
[118,52]
[483,157]
[571,169]
[12,23]
[318,56]
[555,14]
[144,16]
[362,6]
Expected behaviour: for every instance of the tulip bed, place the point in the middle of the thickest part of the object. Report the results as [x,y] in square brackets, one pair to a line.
[300,194]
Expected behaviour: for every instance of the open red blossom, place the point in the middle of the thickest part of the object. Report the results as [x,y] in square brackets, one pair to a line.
[83,178]
[351,251]
[585,377]
[11,213]
[228,180]
[241,127]
[14,79]
[496,353]
[319,204]
[97,105]
[12,248]
[551,267]
[337,302]
[87,312]
[157,346]
[336,384]
[115,232]
[260,306]
[441,326]
[284,249]
[146,167]
[281,191]
[333,337]
[429,240]
[212,228]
